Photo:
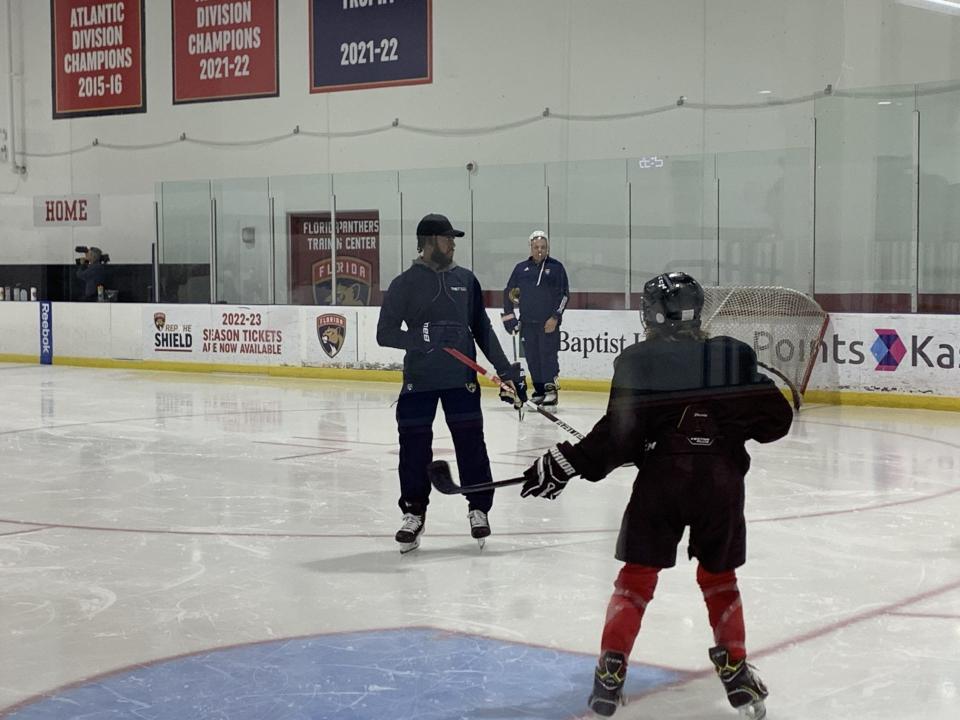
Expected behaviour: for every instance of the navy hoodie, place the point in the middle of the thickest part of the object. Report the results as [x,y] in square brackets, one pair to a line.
[421,294]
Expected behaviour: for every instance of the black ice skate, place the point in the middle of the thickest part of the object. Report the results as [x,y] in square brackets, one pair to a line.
[409,533]
[745,689]
[479,526]
[550,396]
[608,681]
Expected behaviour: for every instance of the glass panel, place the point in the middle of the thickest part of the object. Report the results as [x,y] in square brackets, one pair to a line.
[294,197]
[509,203]
[671,217]
[766,218]
[588,228]
[184,243]
[939,281]
[243,243]
[362,198]
[125,271]
[445,191]
[864,196]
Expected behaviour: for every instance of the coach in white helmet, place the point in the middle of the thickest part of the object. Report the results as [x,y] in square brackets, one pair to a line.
[539,290]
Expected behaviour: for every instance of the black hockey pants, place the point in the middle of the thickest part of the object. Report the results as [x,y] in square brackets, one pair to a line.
[416,411]
[541,350]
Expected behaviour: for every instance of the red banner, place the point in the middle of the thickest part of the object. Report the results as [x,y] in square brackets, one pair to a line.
[98,66]
[358,258]
[224,50]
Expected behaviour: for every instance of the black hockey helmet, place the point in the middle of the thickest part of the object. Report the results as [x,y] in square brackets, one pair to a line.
[671,301]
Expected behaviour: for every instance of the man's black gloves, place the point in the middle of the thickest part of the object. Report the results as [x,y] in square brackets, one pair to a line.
[515,376]
[440,334]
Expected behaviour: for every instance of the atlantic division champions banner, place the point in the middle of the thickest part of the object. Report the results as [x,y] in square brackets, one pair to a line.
[311,268]
[97,51]
[358,44]
[224,50]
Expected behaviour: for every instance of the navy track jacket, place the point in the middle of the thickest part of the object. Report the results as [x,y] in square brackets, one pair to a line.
[544,290]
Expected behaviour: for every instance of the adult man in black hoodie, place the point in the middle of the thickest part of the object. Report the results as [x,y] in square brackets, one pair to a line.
[441,305]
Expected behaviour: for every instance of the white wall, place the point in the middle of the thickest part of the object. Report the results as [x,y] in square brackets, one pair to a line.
[494,61]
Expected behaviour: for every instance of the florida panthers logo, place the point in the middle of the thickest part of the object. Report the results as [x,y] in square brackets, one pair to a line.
[354,277]
[159,320]
[331,331]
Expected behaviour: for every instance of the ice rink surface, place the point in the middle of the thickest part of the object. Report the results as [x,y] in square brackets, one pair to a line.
[221,547]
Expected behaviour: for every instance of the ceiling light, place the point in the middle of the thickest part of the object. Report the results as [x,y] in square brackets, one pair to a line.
[951,7]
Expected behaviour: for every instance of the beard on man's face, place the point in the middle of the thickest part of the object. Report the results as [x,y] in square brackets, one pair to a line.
[440,258]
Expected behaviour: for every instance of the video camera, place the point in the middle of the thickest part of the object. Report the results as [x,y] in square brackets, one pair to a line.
[83,250]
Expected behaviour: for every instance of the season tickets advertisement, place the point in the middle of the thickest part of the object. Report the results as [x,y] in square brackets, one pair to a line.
[260,335]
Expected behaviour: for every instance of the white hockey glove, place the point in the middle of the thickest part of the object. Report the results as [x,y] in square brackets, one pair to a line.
[549,475]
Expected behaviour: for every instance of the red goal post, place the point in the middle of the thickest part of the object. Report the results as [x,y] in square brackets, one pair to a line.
[785,328]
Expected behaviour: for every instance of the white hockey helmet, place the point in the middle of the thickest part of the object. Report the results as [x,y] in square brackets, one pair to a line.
[538,234]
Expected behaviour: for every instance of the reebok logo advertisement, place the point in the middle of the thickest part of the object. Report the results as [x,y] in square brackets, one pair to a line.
[46,332]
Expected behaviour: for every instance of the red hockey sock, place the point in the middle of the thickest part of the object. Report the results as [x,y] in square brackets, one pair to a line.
[633,590]
[722,596]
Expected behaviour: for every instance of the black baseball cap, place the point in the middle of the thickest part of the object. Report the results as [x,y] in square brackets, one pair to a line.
[434,224]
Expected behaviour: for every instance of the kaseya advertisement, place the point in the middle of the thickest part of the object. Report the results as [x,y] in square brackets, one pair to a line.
[355,278]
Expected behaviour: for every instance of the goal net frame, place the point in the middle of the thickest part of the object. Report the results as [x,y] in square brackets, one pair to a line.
[791,324]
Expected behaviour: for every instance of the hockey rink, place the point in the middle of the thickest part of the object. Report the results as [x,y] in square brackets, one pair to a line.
[179,546]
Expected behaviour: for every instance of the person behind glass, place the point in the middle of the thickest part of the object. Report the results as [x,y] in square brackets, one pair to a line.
[538,288]
[93,273]
[681,407]
[441,305]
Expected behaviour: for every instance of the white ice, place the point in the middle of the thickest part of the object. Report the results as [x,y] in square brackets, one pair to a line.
[146,515]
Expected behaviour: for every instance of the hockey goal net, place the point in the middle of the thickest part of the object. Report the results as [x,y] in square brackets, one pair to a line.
[783,326]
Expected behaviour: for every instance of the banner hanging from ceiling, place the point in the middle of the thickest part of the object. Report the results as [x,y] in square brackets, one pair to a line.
[97,54]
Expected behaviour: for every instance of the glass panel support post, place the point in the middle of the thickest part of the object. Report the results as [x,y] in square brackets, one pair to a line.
[915,220]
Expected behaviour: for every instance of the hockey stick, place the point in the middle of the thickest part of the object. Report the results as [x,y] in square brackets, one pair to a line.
[483,371]
[439,473]
[793,391]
